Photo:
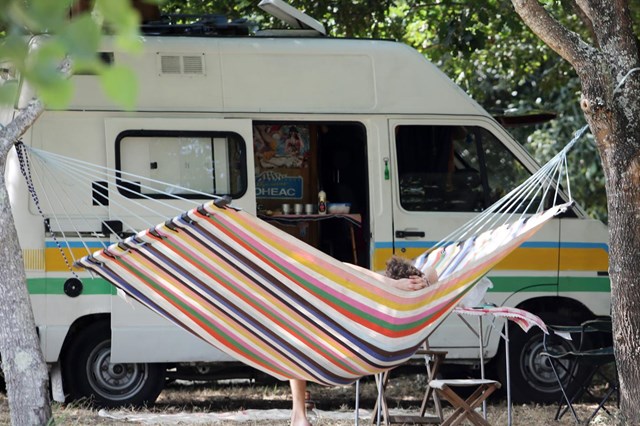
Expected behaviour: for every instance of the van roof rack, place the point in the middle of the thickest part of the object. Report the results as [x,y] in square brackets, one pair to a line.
[218,25]
[213,25]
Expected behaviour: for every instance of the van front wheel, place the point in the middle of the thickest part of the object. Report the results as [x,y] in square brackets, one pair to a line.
[89,373]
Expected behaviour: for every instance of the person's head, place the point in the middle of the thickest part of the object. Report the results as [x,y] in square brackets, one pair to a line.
[399,267]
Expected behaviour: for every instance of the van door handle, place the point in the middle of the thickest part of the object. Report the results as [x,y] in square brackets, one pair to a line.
[408,234]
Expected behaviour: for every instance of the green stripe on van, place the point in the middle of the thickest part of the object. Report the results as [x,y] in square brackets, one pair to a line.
[98,286]
[519,284]
[55,286]
[595,284]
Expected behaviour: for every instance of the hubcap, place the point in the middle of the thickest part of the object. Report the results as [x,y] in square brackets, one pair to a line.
[115,382]
[537,369]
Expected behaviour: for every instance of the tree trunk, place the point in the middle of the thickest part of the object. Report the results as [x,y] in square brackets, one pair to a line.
[609,70]
[619,147]
[24,368]
[624,267]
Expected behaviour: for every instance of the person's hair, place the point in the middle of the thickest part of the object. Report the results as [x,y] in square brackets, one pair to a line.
[399,267]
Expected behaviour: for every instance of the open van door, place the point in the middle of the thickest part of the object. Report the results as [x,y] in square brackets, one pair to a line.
[444,173]
[212,156]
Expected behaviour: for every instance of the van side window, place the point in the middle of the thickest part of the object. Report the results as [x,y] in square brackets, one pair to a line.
[209,162]
[453,168]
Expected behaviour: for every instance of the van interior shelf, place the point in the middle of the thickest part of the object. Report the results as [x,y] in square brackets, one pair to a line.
[353,218]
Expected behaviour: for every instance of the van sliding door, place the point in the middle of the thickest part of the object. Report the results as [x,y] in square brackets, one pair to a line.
[155,159]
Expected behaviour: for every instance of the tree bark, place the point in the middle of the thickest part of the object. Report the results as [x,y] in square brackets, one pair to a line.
[23,364]
[610,77]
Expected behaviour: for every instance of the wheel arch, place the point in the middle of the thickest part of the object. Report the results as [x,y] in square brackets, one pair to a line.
[565,306]
[79,325]
[88,372]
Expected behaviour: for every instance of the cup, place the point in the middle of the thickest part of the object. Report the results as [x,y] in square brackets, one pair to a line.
[308,208]
[298,208]
[286,209]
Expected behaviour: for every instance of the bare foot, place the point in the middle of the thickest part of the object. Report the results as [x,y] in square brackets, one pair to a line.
[297,420]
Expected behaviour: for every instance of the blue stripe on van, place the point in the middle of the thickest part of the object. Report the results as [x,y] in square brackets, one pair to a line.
[527,244]
[76,244]
[602,246]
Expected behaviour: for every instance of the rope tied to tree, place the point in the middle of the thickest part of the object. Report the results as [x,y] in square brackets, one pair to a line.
[25,169]
[624,79]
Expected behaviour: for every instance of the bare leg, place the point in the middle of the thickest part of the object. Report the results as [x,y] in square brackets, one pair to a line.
[298,409]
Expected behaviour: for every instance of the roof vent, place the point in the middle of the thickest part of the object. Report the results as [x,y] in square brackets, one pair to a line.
[175,64]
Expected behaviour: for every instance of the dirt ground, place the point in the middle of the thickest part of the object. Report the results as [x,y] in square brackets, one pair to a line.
[183,403]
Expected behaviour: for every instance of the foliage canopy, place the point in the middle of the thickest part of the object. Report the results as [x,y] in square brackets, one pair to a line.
[485,48]
[76,36]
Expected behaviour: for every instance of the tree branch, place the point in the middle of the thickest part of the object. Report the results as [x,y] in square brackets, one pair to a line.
[585,18]
[10,134]
[566,43]
[584,8]
[614,29]
[25,119]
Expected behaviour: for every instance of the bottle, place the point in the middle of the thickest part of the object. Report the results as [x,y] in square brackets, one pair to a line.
[322,202]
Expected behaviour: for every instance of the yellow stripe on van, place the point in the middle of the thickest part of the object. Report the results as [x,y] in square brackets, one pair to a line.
[531,259]
[56,263]
[525,258]
[583,259]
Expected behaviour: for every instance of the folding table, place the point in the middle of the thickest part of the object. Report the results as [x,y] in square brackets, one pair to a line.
[523,318]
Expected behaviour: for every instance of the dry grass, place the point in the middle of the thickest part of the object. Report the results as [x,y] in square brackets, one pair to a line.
[404,393]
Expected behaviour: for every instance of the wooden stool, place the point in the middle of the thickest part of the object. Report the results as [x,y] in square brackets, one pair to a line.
[465,409]
[433,361]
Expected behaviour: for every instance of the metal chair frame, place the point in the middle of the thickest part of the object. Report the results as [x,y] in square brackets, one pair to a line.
[597,358]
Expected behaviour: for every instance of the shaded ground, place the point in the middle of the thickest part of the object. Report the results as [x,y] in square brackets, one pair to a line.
[191,403]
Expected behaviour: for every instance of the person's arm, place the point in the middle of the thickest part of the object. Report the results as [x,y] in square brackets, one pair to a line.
[412,283]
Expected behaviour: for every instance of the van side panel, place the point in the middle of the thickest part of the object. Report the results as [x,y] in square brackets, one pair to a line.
[281,75]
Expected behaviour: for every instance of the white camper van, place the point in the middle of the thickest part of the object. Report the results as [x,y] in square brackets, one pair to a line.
[399,154]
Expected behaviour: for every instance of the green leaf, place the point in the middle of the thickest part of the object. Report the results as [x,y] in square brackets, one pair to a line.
[42,64]
[118,14]
[42,72]
[8,93]
[14,49]
[81,38]
[124,21]
[56,95]
[120,84]
[47,15]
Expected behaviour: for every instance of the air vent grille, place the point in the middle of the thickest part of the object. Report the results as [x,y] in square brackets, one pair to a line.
[170,64]
[193,65]
[175,64]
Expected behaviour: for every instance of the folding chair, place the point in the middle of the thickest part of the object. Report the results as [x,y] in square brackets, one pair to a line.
[465,408]
[575,367]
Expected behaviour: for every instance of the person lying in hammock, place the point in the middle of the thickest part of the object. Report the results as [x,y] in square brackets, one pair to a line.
[399,273]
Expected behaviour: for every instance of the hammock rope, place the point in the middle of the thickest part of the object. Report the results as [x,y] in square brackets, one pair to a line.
[280,305]
[25,170]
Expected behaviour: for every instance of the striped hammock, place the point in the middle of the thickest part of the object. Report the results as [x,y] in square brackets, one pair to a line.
[284,307]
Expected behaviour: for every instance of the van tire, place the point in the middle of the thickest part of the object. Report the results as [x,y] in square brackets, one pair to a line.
[89,376]
[532,379]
